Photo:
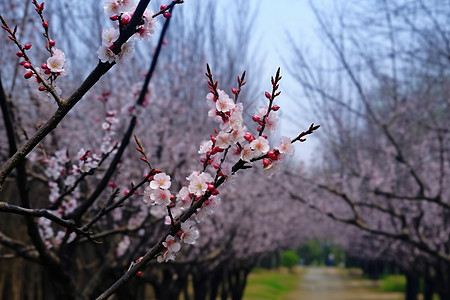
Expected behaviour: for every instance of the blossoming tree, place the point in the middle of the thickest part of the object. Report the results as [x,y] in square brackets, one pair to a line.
[386,161]
[98,193]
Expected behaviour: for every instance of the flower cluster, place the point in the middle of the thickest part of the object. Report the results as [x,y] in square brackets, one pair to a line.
[122,11]
[41,79]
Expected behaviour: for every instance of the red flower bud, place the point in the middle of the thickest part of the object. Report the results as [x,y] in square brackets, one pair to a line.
[268,96]
[47,71]
[255,118]
[51,43]
[19,54]
[249,137]
[163,7]
[44,66]
[216,166]
[139,273]
[266,162]
[112,184]
[234,91]
[210,187]
[275,107]
[271,154]
[28,75]
[45,24]
[42,88]
[27,46]
[214,192]
[202,160]
[114,17]
[167,14]
[26,65]
[125,19]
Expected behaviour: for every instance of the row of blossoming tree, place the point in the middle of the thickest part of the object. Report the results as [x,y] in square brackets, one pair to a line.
[387,161]
[118,178]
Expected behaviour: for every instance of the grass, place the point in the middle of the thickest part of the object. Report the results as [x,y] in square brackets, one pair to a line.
[393,283]
[271,284]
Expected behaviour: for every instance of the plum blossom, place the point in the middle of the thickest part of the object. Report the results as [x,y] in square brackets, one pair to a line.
[123,246]
[115,7]
[205,146]
[156,196]
[190,234]
[207,209]
[126,51]
[224,103]
[57,61]
[224,139]
[271,119]
[247,153]
[198,183]
[109,36]
[260,145]
[171,247]
[88,161]
[105,54]
[161,181]
[148,29]
[183,198]
[286,146]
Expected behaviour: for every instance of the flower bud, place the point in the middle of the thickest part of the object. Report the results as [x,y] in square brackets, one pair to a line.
[125,19]
[266,162]
[275,107]
[139,273]
[26,65]
[19,54]
[163,7]
[167,14]
[27,46]
[268,96]
[255,118]
[249,137]
[51,43]
[28,75]
[42,88]
[45,24]
[44,66]
[114,18]
[272,155]
[234,91]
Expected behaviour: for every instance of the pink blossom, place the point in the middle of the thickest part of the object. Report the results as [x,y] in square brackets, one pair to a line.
[161,181]
[105,54]
[198,183]
[56,62]
[126,51]
[286,146]
[190,234]
[109,36]
[260,146]
[224,103]
[115,7]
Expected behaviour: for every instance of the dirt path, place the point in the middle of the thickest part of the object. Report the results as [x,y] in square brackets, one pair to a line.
[324,283]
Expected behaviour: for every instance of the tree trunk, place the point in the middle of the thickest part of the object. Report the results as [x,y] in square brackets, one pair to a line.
[412,286]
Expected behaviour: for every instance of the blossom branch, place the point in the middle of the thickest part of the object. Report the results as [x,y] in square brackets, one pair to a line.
[67,104]
[126,137]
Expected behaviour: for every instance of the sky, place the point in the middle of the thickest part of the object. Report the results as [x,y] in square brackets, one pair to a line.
[275,22]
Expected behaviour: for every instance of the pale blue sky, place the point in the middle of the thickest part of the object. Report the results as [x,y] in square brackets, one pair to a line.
[275,19]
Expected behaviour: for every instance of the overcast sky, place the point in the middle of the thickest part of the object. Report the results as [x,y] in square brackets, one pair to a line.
[275,22]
